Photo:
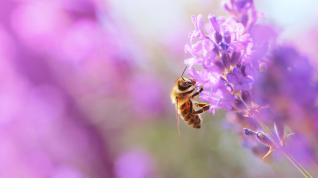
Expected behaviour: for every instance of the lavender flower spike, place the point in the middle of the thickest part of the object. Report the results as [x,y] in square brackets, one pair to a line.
[219,47]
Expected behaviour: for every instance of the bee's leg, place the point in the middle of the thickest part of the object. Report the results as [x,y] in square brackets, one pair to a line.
[204,107]
[201,104]
[197,93]
[177,117]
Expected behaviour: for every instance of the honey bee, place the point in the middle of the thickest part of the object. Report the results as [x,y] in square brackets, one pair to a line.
[182,95]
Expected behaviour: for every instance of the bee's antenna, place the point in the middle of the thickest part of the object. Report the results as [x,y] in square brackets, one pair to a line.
[184,71]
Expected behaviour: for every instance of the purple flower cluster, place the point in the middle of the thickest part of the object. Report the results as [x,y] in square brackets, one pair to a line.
[268,88]
[223,63]
[221,48]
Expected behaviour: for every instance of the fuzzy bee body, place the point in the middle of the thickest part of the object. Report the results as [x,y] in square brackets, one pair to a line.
[185,110]
[182,96]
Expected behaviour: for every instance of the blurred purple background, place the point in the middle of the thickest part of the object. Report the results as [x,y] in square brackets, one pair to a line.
[84,91]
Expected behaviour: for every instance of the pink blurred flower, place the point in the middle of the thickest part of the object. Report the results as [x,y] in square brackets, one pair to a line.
[147,96]
[40,24]
[134,164]
[43,131]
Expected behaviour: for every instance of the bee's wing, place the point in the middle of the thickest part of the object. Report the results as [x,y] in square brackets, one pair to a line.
[173,97]
[177,116]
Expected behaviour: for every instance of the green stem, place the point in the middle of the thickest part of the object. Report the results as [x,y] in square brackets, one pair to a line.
[298,166]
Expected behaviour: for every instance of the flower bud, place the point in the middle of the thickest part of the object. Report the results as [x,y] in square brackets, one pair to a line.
[261,137]
[248,132]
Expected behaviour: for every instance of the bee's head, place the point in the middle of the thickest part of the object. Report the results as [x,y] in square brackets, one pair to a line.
[185,83]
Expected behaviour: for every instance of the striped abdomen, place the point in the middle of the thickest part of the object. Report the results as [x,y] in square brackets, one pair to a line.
[185,111]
